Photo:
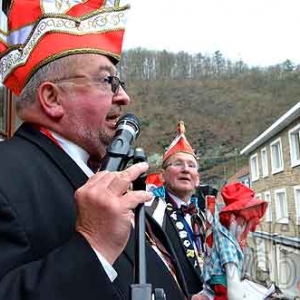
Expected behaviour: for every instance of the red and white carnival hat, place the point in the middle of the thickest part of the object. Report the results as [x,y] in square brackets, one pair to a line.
[40,31]
[179,144]
[240,201]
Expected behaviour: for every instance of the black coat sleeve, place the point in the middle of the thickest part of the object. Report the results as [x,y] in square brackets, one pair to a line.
[71,271]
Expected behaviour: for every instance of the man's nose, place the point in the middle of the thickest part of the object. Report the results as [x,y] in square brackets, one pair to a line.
[185,167]
[121,97]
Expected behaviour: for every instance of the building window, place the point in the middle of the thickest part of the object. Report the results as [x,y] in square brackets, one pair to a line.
[276,156]
[246,182]
[267,198]
[281,206]
[294,139]
[254,167]
[297,203]
[264,162]
[261,254]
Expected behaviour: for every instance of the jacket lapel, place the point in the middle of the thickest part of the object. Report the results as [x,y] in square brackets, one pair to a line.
[129,249]
[167,243]
[175,229]
[62,160]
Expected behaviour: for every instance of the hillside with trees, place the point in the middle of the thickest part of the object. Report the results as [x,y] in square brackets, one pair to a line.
[224,104]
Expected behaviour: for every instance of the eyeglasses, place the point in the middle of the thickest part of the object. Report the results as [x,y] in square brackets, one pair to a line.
[182,165]
[114,81]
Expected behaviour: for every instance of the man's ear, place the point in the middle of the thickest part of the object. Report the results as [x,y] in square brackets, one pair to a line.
[197,180]
[49,97]
[162,175]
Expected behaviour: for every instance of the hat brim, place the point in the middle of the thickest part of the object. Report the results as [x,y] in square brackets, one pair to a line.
[249,210]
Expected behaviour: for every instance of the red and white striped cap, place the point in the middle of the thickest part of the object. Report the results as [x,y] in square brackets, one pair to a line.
[40,31]
[179,144]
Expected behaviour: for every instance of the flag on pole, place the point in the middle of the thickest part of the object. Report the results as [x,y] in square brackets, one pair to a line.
[210,214]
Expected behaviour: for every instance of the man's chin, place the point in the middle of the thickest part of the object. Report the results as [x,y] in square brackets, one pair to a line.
[106,137]
[185,186]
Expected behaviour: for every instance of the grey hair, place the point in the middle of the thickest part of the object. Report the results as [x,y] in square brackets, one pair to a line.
[54,70]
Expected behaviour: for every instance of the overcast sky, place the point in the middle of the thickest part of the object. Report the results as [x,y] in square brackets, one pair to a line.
[260,32]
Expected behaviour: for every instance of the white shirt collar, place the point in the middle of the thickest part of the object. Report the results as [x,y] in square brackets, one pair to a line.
[178,201]
[78,154]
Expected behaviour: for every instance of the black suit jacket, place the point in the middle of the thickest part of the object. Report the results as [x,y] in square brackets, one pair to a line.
[41,255]
[192,275]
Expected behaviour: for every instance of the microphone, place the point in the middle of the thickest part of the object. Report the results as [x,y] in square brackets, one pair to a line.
[119,151]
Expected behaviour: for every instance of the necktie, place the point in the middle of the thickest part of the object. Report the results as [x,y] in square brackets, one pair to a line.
[190,209]
[197,226]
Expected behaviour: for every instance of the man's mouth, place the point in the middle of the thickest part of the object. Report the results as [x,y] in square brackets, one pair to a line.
[184,179]
[112,119]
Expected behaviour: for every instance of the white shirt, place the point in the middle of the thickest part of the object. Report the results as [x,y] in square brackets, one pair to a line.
[80,156]
[180,202]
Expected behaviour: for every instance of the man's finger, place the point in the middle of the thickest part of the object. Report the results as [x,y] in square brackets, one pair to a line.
[134,171]
[133,198]
[96,177]
[122,180]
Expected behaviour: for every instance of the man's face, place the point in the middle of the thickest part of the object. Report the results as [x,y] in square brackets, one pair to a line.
[91,107]
[180,174]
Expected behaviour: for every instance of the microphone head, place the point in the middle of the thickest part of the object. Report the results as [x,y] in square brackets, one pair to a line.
[129,122]
[139,155]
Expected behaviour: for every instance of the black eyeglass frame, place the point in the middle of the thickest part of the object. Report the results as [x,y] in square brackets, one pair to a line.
[114,81]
